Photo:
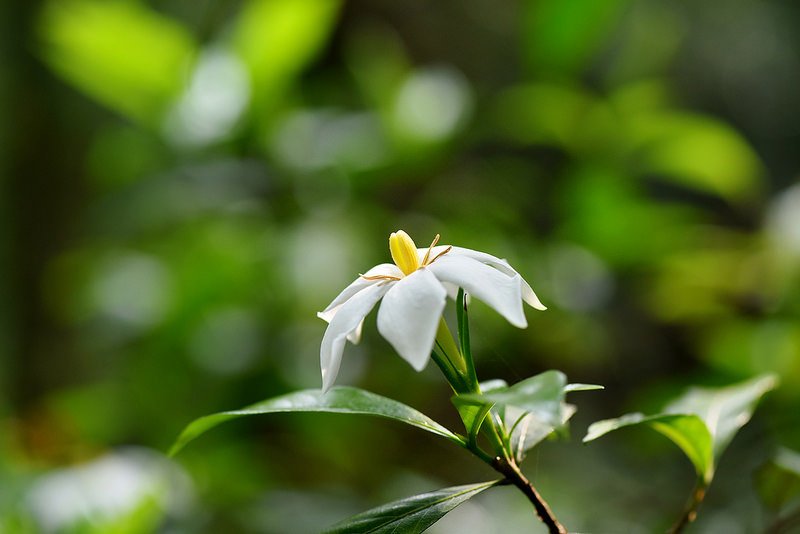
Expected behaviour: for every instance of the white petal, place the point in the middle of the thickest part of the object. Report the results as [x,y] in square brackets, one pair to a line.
[452,290]
[409,316]
[384,269]
[354,337]
[501,292]
[503,266]
[346,321]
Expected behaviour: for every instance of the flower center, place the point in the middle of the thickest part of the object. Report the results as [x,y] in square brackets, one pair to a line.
[404,252]
[404,255]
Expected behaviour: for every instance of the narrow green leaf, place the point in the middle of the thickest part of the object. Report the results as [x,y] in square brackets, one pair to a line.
[569,388]
[340,399]
[462,317]
[411,515]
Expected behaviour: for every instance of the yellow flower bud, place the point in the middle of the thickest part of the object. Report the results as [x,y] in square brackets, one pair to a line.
[404,252]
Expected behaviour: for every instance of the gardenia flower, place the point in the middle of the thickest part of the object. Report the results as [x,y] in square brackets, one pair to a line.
[414,290]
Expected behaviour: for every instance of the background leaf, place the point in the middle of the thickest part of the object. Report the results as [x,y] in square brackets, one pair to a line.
[412,515]
[277,38]
[123,54]
[778,482]
[696,151]
[724,410]
[563,35]
[687,431]
[701,422]
[340,399]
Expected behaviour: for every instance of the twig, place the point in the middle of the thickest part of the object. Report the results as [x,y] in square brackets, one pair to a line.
[509,469]
[690,514]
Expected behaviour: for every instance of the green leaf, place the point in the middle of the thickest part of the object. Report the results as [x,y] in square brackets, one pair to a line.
[340,399]
[472,413]
[532,409]
[412,515]
[462,316]
[701,422]
[687,431]
[527,430]
[696,151]
[276,39]
[563,35]
[122,54]
[778,482]
[724,410]
[493,385]
[543,113]
[542,395]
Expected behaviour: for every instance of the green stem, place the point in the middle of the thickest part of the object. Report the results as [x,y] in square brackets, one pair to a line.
[458,367]
[462,379]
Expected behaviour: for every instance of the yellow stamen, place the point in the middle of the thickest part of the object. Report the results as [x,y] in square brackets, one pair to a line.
[379,277]
[404,252]
[430,249]
[439,255]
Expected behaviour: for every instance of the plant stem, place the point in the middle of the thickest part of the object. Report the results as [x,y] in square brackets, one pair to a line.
[459,369]
[509,469]
[690,514]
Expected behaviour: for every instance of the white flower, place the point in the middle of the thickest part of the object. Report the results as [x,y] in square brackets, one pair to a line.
[414,291]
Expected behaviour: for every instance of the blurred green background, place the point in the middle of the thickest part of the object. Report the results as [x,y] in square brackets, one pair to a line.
[185,183]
